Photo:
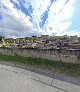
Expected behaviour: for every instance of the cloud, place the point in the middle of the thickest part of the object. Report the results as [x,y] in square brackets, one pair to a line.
[59,17]
[15,22]
[70,33]
[39,7]
[57,27]
[16,2]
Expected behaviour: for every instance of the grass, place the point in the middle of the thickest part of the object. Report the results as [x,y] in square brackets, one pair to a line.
[62,67]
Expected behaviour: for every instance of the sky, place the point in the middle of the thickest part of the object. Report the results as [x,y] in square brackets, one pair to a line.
[22,18]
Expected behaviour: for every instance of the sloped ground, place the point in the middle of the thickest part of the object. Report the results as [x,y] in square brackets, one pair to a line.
[56,66]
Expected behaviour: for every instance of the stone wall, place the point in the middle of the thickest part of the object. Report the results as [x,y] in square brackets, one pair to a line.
[69,56]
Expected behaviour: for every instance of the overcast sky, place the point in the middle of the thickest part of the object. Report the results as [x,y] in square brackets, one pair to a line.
[21,18]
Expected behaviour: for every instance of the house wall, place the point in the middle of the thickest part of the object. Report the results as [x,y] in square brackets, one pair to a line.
[68,56]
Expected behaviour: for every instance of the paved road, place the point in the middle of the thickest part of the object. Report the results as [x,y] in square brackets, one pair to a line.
[18,82]
[18,78]
[58,76]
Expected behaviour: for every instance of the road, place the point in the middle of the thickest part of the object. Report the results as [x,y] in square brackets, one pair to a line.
[55,75]
[18,82]
[18,78]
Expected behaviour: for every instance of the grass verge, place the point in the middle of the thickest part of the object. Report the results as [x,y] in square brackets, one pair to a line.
[66,68]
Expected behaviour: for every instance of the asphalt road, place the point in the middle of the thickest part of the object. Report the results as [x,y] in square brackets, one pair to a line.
[18,82]
[18,78]
[55,75]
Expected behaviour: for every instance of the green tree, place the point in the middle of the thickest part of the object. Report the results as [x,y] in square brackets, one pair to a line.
[1,38]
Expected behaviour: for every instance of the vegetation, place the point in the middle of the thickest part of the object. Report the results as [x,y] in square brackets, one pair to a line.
[1,38]
[66,68]
[76,44]
[60,37]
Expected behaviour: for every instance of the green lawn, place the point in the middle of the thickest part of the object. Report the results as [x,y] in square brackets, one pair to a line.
[57,66]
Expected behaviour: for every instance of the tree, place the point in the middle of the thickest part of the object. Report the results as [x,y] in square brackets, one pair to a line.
[1,38]
[34,38]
